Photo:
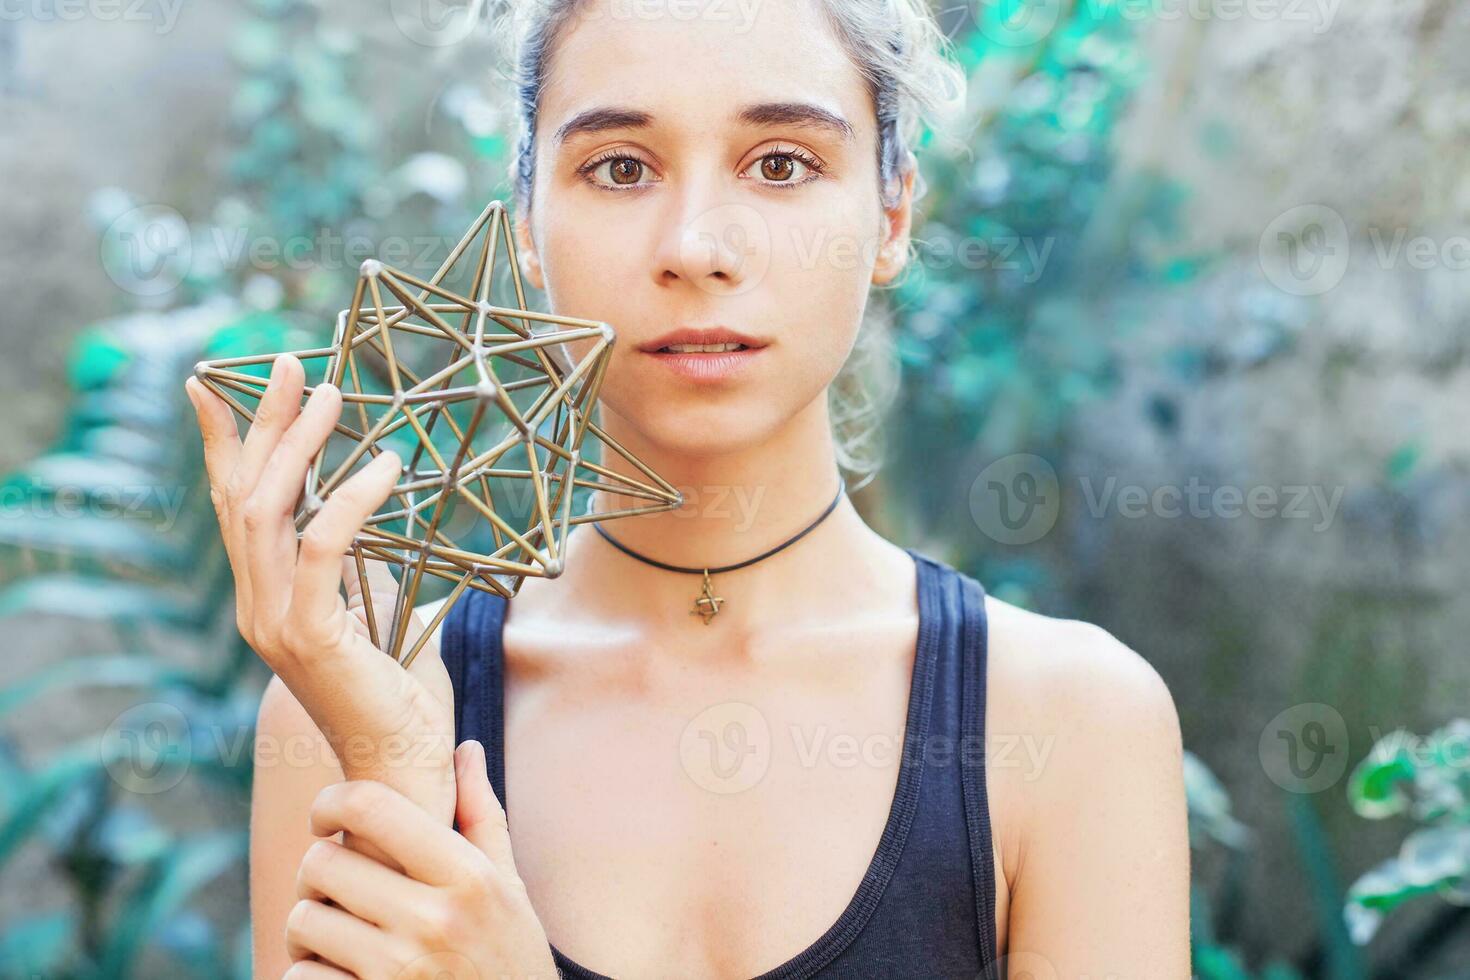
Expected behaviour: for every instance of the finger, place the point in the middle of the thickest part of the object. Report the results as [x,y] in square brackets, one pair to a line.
[219,430]
[330,534]
[373,601]
[281,482]
[316,929]
[269,517]
[479,814]
[222,448]
[380,586]
[279,406]
[380,590]
[315,970]
[427,850]
[366,888]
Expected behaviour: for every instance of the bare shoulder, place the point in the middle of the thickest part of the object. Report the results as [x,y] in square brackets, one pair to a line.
[1085,765]
[1068,675]
[1075,712]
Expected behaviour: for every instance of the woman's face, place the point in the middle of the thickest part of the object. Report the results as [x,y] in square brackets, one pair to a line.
[714,170]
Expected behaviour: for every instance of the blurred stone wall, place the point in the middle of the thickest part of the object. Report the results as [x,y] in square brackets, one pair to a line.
[87,103]
[1327,167]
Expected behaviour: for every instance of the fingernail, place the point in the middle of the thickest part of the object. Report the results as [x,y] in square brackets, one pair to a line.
[189,390]
[275,373]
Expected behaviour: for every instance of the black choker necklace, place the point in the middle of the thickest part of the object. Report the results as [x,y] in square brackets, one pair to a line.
[707,604]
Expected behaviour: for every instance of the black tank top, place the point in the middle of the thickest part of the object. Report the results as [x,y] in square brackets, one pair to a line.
[926,904]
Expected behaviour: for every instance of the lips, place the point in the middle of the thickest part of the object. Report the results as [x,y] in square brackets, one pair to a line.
[710,368]
[706,341]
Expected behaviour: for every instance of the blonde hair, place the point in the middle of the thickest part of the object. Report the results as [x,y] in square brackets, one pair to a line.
[906,59]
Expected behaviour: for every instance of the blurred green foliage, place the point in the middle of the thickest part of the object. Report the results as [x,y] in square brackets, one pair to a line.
[1428,780]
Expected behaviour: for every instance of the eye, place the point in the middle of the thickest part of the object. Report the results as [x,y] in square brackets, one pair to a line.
[781,168]
[623,173]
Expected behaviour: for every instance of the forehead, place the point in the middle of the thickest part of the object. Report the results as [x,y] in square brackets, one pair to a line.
[694,64]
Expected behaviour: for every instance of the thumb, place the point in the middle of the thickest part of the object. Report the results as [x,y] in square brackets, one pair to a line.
[381,586]
[478,813]
[373,600]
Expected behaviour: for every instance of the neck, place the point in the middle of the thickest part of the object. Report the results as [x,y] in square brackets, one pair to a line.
[736,507]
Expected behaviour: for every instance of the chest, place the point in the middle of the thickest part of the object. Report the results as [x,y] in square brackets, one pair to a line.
[702,822]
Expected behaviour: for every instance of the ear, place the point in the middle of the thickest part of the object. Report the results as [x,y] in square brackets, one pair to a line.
[526,254]
[897,221]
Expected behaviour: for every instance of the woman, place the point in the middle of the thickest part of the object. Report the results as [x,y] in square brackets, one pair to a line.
[788,784]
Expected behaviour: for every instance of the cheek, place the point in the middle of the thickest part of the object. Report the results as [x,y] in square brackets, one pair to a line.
[586,266]
[819,278]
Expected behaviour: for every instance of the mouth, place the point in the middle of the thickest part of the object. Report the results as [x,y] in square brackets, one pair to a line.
[706,363]
[701,348]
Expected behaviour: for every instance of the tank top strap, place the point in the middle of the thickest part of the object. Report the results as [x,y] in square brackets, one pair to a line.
[470,647]
[974,642]
[956,807]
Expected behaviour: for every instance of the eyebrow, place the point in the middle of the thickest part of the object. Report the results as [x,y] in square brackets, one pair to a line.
[761,114]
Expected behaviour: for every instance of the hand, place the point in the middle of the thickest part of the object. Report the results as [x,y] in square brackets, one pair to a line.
[383,721]
[458,911]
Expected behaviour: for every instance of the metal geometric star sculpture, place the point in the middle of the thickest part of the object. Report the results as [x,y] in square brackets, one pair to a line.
[463,390]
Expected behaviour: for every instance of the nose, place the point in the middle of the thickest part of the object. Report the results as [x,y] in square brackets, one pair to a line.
[711,242]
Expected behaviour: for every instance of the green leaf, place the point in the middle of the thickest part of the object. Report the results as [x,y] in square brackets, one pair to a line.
[172,880]
[1209,805]
[25,811]
[1378,785]
[1401,464]
[38,945]
[96,360]
[1435,856]
[105,670]
[100,599]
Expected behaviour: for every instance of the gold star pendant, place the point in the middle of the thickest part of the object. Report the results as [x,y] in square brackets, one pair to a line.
[707,604]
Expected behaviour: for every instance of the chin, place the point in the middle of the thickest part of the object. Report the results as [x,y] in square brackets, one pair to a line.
[687,427]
